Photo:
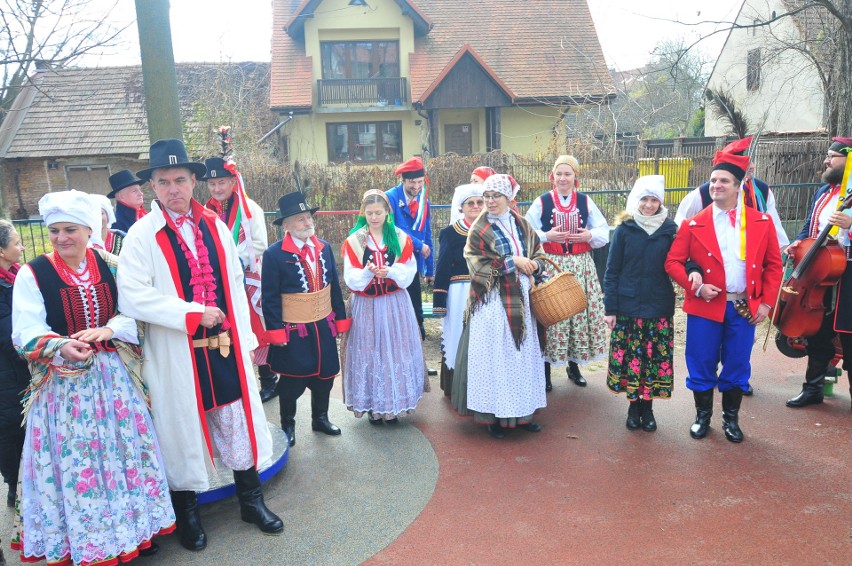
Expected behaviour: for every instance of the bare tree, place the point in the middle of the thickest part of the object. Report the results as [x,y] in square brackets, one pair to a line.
[50,32]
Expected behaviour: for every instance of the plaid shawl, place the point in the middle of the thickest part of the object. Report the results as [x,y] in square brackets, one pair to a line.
[40,351]
[485,262]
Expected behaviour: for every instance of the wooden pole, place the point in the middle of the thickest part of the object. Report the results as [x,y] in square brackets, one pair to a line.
[158,70]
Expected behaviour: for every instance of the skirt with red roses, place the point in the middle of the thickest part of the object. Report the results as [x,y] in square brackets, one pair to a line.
[640,357]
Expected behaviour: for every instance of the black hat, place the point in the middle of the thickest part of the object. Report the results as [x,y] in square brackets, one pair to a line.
[215,169]
[292,204]
[122,180]
[168,153]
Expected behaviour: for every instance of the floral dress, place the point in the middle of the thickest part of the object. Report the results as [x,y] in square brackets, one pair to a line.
[92,486]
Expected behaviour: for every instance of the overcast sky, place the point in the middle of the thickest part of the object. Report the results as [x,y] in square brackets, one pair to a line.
[220,30]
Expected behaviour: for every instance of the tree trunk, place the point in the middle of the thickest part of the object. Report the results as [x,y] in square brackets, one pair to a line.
[840,116]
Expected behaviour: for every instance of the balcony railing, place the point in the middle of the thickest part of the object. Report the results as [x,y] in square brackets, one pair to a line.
[367,92]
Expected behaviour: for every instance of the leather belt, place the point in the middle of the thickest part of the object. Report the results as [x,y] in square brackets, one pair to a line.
[736,296]
[304,308]
[221,342]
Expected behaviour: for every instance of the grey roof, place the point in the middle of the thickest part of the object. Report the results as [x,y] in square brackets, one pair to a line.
[85,112]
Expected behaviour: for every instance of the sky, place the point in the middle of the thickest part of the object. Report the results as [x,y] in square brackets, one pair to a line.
[240,31]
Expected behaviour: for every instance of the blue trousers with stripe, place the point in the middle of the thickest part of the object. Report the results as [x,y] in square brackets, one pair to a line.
[709,343]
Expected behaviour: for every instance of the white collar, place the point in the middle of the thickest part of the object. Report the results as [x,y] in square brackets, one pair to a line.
[301,243]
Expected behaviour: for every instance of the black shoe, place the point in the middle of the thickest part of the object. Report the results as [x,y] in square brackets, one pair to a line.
[731,401]
[812,389]
[150,551]
[320,423]
[703,412]
[749,392]
[10,497]
[431,371]
[252,507]
[548,386]
[373,421]
[808,396]
[646,416]
[188,521]
[530,427]
[267,393]
[575,375]
[290,430]
[633,422]
[496,431]
[392,421]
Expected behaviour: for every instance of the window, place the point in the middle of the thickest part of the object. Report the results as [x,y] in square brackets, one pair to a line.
[753,70]
[364,141]
[359,59]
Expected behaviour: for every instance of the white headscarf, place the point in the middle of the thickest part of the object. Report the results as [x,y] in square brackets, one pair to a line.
[648,186]
[68,206]
[101,202]
[462,193]
[501,183]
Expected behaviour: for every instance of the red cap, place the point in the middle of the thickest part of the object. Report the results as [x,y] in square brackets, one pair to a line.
[841,145]
[737,165]
[483,172]
[738,147]
[411,169]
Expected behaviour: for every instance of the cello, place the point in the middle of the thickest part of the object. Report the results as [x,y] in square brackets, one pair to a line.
[818,265]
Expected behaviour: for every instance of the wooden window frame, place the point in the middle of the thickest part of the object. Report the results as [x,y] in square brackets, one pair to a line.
[354,142]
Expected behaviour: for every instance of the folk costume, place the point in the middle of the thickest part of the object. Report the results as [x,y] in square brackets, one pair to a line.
[203,391]
[413,216]
[581,338]
[114,238]
[639,293]
[756,194]
[384,371]
[125,216]
[93,487]
[304,311]
[247,224]
[838,312]
[499,375]
[737,251]
[452,283]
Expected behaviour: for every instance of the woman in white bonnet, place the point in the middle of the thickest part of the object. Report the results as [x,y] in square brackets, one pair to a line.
[92,484]
[639,302]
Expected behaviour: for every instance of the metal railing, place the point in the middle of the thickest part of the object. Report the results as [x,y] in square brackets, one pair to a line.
[372,92]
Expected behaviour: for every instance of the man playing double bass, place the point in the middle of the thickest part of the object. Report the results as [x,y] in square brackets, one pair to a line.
[837,319]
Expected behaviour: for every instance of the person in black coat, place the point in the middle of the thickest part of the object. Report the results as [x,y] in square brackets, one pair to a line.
[14,374]
[639,303]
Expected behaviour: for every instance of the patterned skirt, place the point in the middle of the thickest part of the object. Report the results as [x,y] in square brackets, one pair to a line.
[640,357]
[581,338]
[384,371]
[92,485]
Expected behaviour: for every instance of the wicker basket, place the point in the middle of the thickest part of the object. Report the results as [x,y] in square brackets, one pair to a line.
[557,299]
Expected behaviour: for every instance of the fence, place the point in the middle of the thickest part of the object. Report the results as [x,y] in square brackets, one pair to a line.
[792,201]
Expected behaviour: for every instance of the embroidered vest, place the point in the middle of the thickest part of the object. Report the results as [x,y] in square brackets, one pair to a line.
[547,209]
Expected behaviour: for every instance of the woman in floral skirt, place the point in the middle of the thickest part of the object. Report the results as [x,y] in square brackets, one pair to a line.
[640,301]
[92,485]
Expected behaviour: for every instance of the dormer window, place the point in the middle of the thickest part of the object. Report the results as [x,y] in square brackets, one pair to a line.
[360,59]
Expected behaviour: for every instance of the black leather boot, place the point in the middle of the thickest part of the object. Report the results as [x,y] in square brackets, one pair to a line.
[188,522]
[646,415]
[812,388]
[731,401]
[252,507]
[633,415]
[575,375]
[268,383]
[319,415]
[548,385]
[287,408]
[703,412]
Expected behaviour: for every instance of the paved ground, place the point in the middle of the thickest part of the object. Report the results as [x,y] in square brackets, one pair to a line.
[438,490]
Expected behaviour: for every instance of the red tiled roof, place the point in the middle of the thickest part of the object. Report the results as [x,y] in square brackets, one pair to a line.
[529,50]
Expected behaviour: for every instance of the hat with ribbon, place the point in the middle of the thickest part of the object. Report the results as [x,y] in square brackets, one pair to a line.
[411,169]
[122,180]
[167,154]
[841,145]
[736,165]
[292,204]
[215,169]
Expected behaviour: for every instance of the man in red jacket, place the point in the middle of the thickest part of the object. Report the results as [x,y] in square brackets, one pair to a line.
[736,249]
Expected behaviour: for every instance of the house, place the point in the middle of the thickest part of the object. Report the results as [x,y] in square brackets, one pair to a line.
[73,128]
[376,81]
[771,65]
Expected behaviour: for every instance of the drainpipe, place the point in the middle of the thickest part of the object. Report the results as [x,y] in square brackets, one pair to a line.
[276,128]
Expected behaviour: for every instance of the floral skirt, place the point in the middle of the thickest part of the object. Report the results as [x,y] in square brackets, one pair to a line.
[581,338]
[92,484]
[640,357]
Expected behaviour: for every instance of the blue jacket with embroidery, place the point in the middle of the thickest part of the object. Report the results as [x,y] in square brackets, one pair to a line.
[403,219]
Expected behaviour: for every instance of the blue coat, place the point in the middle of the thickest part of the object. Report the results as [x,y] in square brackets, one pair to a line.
[310,349]
[403,219]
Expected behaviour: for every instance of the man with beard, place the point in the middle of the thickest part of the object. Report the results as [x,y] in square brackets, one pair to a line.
[838,317]
[304,311]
